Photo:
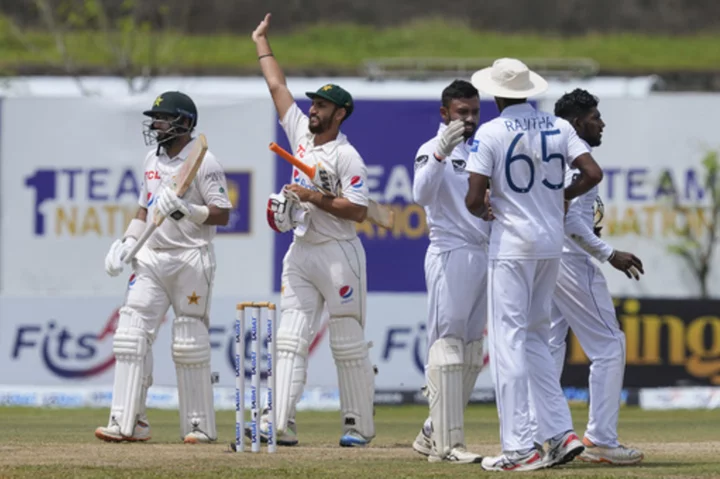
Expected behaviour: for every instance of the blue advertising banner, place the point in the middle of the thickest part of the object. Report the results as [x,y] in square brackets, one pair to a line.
[387,134]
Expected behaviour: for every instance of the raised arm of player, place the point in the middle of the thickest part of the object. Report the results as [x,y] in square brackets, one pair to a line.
[274,76]
[430,163]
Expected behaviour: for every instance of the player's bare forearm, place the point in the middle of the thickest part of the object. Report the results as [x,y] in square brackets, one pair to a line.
[218,216]
[475,198]
[590,175]
[274,76]
[340,207]
[141,214]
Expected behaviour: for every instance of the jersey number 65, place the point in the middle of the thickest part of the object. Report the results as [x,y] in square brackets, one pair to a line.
[546,158]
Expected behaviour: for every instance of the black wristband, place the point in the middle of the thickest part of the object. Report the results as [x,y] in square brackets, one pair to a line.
[266,55]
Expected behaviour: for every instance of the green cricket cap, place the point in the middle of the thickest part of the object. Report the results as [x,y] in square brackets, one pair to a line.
[336,95]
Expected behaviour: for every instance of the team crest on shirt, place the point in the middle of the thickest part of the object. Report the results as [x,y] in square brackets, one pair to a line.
[475,145]
[458,165]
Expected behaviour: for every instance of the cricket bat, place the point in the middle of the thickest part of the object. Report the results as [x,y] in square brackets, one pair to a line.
[183,180]
[381,215]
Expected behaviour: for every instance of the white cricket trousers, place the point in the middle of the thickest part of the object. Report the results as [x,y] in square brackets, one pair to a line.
[330,274]
[582,301]
[181,278]
[520,292]
[456,283]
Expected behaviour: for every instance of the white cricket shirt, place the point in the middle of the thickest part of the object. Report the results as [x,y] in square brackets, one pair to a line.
[440,188]
[347,177]
[525,152]
[580,238]
[208,188]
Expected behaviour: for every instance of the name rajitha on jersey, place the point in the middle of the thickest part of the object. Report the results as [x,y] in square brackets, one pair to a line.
[525,153]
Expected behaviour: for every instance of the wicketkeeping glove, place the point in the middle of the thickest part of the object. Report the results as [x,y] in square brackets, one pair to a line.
[451,137]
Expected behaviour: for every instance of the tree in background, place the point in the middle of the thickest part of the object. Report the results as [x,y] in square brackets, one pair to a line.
[129,38]
[697,242]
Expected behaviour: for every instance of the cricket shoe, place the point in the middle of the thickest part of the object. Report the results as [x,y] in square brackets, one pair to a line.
[457,455]
[563,450]
[423,443]
[197,437]
[111,433]
[619,456]
[514,462]
[286,438]
[354,439]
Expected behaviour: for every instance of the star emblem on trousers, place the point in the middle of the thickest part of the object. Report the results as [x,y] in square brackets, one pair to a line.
[193,299]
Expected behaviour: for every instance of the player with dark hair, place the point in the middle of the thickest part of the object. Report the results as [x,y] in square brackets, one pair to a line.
[174,268]
[325,265]
[455,275]
[582,300]
[524,152]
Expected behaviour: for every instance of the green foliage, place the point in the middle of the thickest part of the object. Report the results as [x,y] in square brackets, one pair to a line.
[697,250]
[346,46]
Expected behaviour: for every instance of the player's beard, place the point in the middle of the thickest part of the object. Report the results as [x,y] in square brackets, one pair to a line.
[469,134]
[323,124]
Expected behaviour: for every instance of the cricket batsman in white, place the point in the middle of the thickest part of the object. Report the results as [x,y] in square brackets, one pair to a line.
[174,268]
[582,300]
[455,274]
[525,152]
[325,264]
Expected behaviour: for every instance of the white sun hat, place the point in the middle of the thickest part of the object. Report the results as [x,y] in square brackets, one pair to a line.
[509,78]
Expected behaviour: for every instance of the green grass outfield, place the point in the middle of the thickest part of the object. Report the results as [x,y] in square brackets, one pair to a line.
[346,46]
[44,443]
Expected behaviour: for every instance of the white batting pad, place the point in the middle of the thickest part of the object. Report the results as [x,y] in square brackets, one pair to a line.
[356,377]
[291,349]
[191,354]
[130,344]
[444,382]
[472,368]
[147,381]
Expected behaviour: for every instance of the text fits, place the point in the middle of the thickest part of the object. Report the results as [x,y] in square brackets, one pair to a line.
[253,312]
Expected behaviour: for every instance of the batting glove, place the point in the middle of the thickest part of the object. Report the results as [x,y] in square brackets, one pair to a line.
[169,204]
[116,255]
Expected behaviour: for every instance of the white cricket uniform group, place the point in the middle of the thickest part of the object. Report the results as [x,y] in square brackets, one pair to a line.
[582,301]
[456,280]
[525,152]
[175,268]
[325,266]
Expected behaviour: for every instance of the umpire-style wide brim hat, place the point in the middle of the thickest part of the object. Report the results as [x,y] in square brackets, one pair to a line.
[336,95]
[509,78]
